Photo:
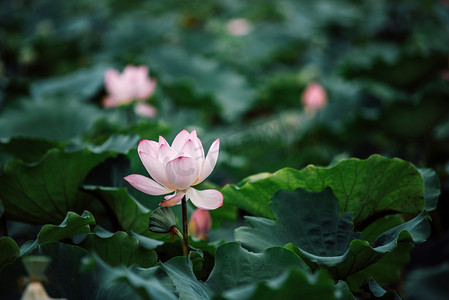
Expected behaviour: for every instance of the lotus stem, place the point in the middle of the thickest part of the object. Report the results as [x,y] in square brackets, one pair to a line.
[185,233]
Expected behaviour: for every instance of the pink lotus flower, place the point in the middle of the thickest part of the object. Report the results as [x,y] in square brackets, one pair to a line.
[200,223]
[133,84]
[177,168]
[145,110]
[238,27]
[314,97]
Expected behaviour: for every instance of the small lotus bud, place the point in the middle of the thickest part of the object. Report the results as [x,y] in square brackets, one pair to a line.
[162,220]
[200,223]
[314,97]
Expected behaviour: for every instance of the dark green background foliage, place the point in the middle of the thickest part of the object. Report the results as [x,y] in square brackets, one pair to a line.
[315,204]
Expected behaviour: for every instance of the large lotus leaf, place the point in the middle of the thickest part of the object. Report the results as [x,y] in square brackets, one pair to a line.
[231,259]
[9,251]
[63,276]
[292,284]
[44,191]
[431,188]
[234,266]
[369,188]
[121,249]
[52,119]
[145,129]
[130,284]
[229,90]
[83,83]
[309,220]
[117,142]
[180,271]
[28,149]
[311,226]
[380,293]
[130,214]
[72,224]
[387,270]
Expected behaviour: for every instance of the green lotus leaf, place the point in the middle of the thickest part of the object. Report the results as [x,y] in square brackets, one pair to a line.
[292,284]
[72,224]
[309,224]
[190,75]
[129,213]
[432,189]
[9,251]
[121,249]
[44,191]
[28,149]
[234,266]
[49,119]
[370,188]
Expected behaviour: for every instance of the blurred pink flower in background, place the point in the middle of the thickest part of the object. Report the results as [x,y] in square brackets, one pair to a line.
[238,27]
[145,110]
[445,74]
[133,84]
[177,168]
[314,97]
[200,223]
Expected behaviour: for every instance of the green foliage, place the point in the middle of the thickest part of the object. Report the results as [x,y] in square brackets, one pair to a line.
[28,149]
[379,292]
[431,188]
[72,224]
[121,249]
[309,225]
[369,188]
[49,188]
[51,119]
[9,251]
[191,80]
[130,214]
[64,278]
[238,71]
[231,259]
[307,219]
[289,285]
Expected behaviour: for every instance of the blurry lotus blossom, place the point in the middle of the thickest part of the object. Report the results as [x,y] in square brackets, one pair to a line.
[133,84]
[314,97]
[35,291]
[445,75]
[238,27]
[177,168]
[200,223]
[145,110]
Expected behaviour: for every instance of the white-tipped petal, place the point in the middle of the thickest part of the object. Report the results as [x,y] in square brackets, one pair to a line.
[180,140]
[206,199]
[147,185]
[181,172]
[172,200]
[155,168]
[210,161]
